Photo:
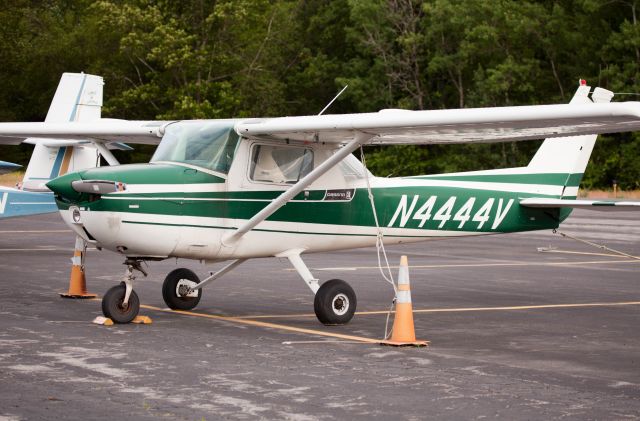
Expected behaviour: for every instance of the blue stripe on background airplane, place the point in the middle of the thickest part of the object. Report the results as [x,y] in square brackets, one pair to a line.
[78,98]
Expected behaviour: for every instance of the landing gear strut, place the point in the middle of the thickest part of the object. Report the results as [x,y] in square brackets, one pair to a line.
[335,301]
[182,289]
[121,303]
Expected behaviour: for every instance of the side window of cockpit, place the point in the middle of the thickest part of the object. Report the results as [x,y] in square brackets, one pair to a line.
[280,164]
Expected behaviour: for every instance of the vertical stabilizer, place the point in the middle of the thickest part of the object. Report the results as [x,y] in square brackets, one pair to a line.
[78,98]
[566,158]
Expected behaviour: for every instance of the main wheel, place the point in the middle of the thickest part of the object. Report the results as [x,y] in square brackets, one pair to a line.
[335,302]
[113,307]
[176,290]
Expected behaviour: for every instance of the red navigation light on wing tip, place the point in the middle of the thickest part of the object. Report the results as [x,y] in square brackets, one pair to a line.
[583,82]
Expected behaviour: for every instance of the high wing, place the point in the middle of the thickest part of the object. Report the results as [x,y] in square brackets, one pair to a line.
[75,116]
[601,205]
[470,125]
[102,131]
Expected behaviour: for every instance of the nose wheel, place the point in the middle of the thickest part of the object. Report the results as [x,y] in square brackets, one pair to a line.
[121,303]
[114,307]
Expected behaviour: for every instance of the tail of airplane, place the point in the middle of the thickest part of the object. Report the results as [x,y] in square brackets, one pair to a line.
[564,160]
[555,170]
[78,98]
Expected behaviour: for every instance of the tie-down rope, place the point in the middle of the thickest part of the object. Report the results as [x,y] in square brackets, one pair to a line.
[600,246]
[380,250]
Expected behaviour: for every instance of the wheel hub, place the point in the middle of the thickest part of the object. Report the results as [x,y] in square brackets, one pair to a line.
[340,304]
[184,289]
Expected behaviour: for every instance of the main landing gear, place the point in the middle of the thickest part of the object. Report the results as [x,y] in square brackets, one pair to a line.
[178,290]
[334,303]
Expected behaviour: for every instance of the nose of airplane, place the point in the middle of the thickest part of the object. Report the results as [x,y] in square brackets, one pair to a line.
[63,186]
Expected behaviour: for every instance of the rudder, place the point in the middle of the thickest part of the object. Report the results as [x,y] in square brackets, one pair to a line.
[566,158]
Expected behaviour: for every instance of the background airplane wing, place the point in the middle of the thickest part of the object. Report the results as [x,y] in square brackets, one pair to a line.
[470,125]
[102,130]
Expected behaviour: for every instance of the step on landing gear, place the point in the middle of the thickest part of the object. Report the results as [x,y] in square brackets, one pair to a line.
[121,303]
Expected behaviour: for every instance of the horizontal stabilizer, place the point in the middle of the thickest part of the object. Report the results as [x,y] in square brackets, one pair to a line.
[119,146]
[599,205]
[61,143]
[6,167]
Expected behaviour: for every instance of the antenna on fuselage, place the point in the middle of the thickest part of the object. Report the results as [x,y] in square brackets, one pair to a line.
[334,98]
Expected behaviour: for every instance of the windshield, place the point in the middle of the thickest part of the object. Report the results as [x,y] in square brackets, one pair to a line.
[207,144]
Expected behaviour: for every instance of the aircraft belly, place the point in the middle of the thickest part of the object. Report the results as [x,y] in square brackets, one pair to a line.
[273,237]
[131,234]
[200,238]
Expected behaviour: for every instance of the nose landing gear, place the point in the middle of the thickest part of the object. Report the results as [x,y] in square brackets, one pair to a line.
[121,303]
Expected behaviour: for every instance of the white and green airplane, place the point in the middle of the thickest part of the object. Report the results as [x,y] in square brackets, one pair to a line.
[232,190]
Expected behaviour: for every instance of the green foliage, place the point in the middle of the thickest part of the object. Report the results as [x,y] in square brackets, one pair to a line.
[163,59]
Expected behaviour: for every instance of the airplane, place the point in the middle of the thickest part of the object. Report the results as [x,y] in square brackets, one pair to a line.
[239,189]
[78,98]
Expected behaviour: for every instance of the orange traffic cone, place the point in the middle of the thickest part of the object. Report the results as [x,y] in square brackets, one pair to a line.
[77,282]
[404,333]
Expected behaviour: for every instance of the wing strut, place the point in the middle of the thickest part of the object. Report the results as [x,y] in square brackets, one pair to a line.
[290,193]
[106,153]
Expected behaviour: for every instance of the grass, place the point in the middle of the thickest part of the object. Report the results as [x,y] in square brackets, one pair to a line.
[608,194]
[10,179]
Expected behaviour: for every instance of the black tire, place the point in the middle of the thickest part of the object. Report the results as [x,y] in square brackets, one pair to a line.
[335,302]
[112,305]
[172,297]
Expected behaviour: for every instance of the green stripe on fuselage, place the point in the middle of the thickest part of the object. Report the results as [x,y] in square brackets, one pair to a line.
[502,211]
[552,179]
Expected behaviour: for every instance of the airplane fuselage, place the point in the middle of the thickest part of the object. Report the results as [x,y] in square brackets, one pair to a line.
[172,210]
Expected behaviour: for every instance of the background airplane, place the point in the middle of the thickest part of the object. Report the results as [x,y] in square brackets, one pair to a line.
[78,98]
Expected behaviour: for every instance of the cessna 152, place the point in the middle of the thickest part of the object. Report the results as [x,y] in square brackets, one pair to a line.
[238,189]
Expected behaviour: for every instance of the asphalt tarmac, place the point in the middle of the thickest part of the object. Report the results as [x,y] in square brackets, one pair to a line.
[516,333]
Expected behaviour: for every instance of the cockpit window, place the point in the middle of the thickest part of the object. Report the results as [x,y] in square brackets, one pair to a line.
[352,168]
[207,144]
[280,164]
